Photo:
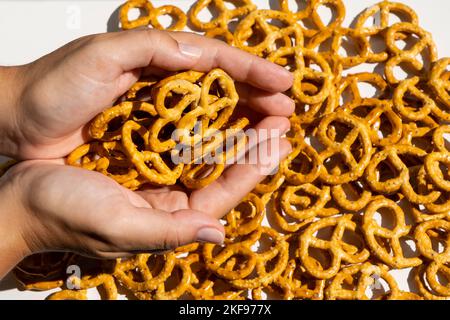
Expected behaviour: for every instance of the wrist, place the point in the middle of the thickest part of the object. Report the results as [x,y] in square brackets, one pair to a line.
[11,83]
[13,246]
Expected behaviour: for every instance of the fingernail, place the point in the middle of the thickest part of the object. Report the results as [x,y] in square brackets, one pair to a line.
[190,50]
[210,235]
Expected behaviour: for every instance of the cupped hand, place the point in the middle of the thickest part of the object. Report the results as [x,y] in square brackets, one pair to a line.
[52,206]
[61,92]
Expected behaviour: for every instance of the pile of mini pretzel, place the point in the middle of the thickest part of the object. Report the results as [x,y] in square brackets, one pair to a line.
[356,158]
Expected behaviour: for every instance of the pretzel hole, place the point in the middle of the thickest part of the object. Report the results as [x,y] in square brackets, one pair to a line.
[232,24]
[166,132]
[386,171]
[327,13]
[136,13]
[355,241]
[167,20]
[296,5]
[208,13]
[233,4]
[385,129]
[377,43]
[174,280]
[302,164]
[408,42]
[378,289]
[385,217]
[405,70]
[438,243]
[350,47]
[398,15]
[443,277]
[409,247]
[336,163]
[325,45]
[263,244]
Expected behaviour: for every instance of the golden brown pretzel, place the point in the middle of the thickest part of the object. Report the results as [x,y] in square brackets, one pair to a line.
[401,181]
[408,56]
[144,272]
[246,217]
[351,283]
[381,13]
[269,33]
[432,167]
[359,132]
[373,112]
[176,13]
[339,251]
[392,254]
[225,15]
[439,80]
[307,158]
[297,284]
[425,245]
[143,20]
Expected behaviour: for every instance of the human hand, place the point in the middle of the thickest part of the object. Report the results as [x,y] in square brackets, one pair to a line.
[50,206]
[53,99]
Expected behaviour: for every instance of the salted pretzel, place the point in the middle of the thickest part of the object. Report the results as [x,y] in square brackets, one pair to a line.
[380,13]
[358,133]
[183,268]
[427,104]
[159,172]
[422,285]
[320,26]
[298,201]
[295,283]
[270,184]
[105,281]
[306,114]
[439,80]
[337,36]
[307,158]
[179,17]
[149,15]
[392,254]
[144,272]
[438,138]
[284,221]
[143,5]
[349,86]
[351,196]
[303,73]
[300,14]
[339,250]
[372,112]
[408,56]
[100,126]
[225,15]
[201,172]
[276,256]
[246,217]
[401,181]
[225,263]
[424,242]
[352,283]
[432,163]
[290,33]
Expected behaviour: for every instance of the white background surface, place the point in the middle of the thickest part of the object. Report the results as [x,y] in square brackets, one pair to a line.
[30,29]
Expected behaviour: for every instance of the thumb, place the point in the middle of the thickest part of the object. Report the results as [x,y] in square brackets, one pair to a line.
[150,229]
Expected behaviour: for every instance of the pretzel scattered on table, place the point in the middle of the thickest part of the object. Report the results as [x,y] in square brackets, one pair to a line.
[354,157]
